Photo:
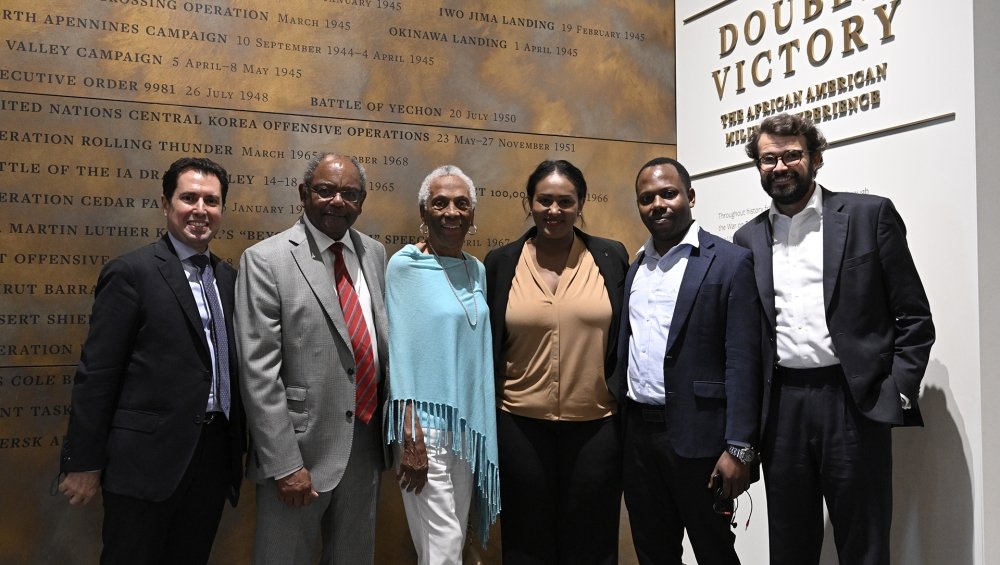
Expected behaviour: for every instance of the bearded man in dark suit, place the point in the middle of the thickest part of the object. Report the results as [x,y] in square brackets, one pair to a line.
[850,334]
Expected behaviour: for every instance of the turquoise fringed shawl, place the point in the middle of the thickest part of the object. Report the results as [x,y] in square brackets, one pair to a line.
[443,364]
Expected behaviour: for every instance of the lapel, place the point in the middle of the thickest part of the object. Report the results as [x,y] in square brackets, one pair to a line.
[629,279]
[762,246]
[369,266]
[835,225]
[225,281]
[173,274]
[309,259]
[697,266]
[602,258]
[508,264]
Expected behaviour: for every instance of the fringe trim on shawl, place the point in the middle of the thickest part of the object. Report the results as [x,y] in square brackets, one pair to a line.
[473,449]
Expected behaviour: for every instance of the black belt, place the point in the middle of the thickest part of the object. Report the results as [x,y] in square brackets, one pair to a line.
[651,413]
[811,377]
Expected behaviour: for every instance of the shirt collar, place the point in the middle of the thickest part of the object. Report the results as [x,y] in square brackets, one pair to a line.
[323,241]
[183,250]
[690,239]
[815,204]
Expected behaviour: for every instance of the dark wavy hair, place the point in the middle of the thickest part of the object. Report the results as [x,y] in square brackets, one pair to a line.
[202,165]
[785,125]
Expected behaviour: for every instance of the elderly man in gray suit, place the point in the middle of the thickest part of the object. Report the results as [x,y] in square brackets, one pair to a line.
[311,327]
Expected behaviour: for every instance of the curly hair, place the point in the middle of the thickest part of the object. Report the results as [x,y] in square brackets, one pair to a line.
[787,125]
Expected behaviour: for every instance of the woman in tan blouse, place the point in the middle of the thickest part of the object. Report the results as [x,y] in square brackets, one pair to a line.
[555,299]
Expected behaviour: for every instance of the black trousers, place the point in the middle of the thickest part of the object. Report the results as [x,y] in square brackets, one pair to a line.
[560,490]
[179,530]
[818,445]
[666,494]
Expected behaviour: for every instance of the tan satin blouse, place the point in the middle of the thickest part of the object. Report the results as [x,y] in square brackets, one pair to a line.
[556,343]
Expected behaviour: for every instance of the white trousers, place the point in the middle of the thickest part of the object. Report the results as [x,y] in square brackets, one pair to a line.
[439,515]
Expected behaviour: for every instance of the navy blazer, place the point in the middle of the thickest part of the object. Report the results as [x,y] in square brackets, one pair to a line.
[876,308]
[141,388]
[711,370]
[611,259]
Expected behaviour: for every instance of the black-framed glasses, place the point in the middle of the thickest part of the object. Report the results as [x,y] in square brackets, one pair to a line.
[769,161]
[327,192]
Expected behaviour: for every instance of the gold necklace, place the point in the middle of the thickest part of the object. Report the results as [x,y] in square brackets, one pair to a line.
[468,275]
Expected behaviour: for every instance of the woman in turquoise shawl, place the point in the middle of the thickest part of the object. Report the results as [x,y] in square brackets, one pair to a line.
[441,415]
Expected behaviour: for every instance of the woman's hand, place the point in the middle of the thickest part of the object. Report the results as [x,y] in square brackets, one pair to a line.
[412,471]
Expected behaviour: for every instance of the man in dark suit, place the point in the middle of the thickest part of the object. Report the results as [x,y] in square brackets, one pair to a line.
[850,334]
[312,328]
[156,416]
[690,350]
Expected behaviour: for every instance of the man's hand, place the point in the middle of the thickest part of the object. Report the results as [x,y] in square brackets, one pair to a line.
[296,489]
[735,475]
[80,487]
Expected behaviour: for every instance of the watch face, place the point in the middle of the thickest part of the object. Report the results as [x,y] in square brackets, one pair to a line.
[744,454]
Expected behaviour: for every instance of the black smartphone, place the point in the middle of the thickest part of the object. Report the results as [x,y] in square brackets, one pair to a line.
[722,505]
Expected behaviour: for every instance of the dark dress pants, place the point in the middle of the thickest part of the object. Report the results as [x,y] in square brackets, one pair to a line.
[666,494]
[818,445]
[179,530]
[560,490]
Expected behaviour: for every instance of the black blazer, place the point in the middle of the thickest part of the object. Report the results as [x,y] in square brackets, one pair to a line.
[611,260]
[711,370]
[876,308]
[142,384]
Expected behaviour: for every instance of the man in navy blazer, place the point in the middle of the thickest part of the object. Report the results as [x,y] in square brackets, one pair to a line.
[848,338]
[689,349]
[156,418]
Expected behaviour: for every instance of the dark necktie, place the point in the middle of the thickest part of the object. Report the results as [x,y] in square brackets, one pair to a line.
[219,336]
[361,343]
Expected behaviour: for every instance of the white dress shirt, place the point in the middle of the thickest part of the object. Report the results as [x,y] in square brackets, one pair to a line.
[652,299]
[803,338]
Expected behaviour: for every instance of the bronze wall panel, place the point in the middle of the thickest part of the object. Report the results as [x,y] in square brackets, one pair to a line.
[97,97]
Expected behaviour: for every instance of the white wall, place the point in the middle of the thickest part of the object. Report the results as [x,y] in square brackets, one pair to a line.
[929,169]
[987,85]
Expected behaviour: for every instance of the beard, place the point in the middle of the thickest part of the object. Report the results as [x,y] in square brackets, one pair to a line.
[788,193]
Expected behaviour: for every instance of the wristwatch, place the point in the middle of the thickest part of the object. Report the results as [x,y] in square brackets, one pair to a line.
[746,455]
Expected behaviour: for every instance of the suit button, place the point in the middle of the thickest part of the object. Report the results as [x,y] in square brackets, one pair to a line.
[350,371]
[199,418]
[349,414]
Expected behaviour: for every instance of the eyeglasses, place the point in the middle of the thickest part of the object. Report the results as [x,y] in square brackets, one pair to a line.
[789,158]
[327,192]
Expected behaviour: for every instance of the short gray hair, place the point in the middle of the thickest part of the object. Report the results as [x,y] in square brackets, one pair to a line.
[444,171]
[307,177]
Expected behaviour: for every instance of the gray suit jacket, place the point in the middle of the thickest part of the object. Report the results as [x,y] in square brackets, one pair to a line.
[297,366]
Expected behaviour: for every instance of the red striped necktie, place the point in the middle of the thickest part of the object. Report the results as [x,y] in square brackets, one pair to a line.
[364,362]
